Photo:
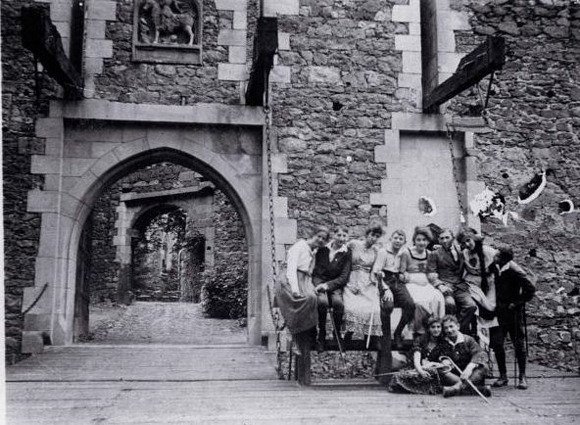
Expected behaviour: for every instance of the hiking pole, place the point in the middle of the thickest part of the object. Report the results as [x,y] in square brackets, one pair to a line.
[468,381]
[336,331]
[370,329]
[515,338]
[525,323]
[290,358]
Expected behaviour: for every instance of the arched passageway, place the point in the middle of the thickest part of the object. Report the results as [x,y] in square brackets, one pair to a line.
[162,233]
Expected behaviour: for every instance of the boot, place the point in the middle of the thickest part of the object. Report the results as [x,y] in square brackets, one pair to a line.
[522,383]
[485,390]
[502,381]
[451,391]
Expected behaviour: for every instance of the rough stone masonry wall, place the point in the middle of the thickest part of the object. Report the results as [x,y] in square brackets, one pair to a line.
[336,107]
[534,115]
[20,107]
[229,244]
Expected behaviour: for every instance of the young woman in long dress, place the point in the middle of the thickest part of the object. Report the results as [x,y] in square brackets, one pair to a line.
[418,272]
[295,293]
[362,308]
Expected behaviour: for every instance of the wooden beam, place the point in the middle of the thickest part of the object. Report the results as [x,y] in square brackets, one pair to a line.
[265,46]
[40,36]
[485,59]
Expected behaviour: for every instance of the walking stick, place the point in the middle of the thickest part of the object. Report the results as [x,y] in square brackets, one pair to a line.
[515,338]
[525,323]
[336,331]
[370,329]
[468,381]
[290,359]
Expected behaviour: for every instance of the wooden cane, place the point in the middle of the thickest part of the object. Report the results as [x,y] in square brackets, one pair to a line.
[336,330]
[370,329]
[468,381]
[515,337]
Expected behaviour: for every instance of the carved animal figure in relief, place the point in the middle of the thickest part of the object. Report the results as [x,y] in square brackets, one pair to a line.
[168,17]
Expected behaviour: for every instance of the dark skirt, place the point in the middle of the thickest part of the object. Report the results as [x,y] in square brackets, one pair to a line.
[300,314]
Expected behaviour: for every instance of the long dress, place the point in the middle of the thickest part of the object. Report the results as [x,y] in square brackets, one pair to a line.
[362,311]
[423,293]
[300,313]
[410,381]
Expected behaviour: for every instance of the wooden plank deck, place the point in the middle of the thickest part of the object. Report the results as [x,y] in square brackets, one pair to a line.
[237,385]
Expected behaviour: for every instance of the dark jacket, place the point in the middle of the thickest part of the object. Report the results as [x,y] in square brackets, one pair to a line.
[449,271]
[463,352]
[512,286]
[334,273]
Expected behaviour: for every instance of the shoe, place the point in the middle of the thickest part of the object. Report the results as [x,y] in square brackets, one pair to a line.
[450,391]
[522,383]
[320,346]
[485,390]
[502,381]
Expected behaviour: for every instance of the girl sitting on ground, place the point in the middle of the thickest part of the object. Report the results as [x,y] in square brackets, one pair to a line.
[424,377]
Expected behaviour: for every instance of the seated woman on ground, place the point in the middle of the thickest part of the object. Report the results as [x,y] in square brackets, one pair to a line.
[361,295]
[424,377]
[418,272]
[295,293]
[461,350]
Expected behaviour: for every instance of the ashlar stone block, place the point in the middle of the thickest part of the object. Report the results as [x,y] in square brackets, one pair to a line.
[102,10]
[408,43]
[237,54]
[240,20]
[281,74]
[285,230]
[407,13]
[283,41]
[240,5]
[272,8]
[232,37]
[99,48]
[232,72]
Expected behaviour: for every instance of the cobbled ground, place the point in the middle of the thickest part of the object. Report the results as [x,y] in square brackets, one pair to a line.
[161,323]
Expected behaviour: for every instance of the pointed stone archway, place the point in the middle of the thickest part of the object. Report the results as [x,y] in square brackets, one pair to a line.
[90,144]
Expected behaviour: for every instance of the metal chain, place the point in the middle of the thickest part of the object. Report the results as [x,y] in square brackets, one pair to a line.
[274,311]
[462,209]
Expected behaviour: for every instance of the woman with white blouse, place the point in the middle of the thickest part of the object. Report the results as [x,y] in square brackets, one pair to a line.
[296,296]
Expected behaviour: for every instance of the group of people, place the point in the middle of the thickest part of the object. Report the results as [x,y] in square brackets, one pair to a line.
[447,290]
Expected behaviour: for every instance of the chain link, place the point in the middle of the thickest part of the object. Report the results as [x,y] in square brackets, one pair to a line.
[274,311]
[460,200]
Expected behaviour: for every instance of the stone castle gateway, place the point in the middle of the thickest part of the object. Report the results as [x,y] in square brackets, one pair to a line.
[351,140]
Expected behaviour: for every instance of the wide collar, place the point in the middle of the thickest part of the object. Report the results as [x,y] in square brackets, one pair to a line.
[505,267]
[390,250]
[460,339]
[343,248]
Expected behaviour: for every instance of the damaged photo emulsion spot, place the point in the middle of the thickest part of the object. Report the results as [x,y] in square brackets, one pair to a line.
[427,206]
